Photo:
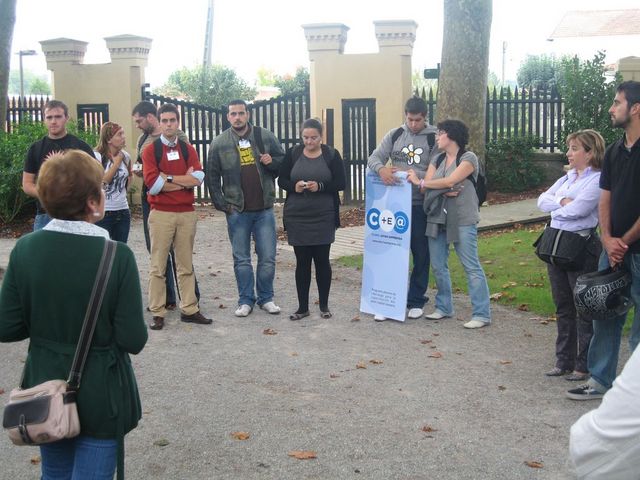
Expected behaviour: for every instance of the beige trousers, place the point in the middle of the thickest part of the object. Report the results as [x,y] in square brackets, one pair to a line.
[165,229]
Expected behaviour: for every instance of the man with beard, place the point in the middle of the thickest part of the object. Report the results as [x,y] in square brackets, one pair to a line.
[619,212]
[242,165]
[56,116]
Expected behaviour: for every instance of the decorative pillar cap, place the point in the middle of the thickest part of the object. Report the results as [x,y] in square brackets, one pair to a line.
[128,47]
[328,37]
[396,33]
[64,50]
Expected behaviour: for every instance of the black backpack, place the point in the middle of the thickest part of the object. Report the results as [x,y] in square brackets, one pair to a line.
[431,138]
[480,185]
[157,151]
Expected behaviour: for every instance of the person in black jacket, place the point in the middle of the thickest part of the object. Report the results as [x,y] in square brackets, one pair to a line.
[312,174]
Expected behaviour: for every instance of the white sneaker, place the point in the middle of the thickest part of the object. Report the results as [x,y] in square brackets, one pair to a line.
[379,318]
[436,315]
[415,312]
[475,324]
[270,307]
[243,310]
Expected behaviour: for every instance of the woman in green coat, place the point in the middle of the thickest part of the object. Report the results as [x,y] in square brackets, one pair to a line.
[44,295]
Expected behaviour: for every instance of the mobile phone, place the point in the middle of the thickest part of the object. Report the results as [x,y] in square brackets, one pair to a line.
[137,167]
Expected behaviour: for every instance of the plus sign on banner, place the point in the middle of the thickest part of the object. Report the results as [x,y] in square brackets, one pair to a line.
[386,247]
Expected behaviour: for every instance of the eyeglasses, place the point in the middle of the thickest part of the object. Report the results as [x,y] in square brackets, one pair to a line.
[440,132]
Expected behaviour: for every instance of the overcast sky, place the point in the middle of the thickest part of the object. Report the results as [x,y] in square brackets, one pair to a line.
[249,34]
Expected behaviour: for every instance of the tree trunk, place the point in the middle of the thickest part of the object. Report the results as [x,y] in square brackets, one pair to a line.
[462,86]
[7,21]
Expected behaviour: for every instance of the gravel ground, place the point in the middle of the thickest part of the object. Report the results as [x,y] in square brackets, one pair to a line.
[388,400]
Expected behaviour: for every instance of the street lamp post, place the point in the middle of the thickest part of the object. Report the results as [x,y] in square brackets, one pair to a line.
[23,53]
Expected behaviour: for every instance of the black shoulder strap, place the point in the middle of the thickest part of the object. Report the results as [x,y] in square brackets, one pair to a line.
[157,150]
[431,140]
[257,135]
[396,135]
[141,140]
[91,315]
[185,151]
[440,159]
[295,153]
[327,153]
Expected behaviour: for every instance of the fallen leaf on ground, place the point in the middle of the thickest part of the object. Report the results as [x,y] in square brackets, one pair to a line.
[487,262]
[505,362]
[544,322]
[294,354]
[523,264]
[163,442]
[35,460]
[523,307]
[1,391]
[436,334]
[533,464]
[376,362]
[429,429]
[424,342]
[509,284]
[355,319]
[517,241]
[361,365]
[496,296]
[334,375]
[269,331]
[502,388]
[240,435]
[436,355]
[222,306]
[303,454]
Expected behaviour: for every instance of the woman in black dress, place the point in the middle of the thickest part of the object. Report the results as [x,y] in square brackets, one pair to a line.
[312,174]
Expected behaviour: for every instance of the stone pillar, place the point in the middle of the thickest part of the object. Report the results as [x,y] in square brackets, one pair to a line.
[131,49]
[629,68]
[325,38]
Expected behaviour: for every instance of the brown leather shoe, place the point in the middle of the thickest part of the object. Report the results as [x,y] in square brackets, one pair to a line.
[156,323]
[196,318]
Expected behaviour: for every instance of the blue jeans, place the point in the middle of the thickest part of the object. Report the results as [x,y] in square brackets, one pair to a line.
[467,249]
[419,280]
[41,221]
[79,458]
[607,335]
[260,225]
[117,223]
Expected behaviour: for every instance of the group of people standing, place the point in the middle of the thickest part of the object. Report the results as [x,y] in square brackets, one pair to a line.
[76,194]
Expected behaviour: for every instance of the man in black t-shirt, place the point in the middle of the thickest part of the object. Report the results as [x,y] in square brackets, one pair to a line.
[619,215]
[56,116]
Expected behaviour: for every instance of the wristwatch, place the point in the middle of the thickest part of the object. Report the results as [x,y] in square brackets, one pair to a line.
[170,178]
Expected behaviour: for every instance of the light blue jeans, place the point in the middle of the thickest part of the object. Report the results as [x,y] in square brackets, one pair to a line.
[41,221]
[260,225]
[79,458]
[607,334]
[467,249]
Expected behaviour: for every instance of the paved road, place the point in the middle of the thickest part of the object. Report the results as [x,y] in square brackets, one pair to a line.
[480,411]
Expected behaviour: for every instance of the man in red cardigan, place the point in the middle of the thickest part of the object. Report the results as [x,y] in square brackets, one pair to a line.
[171,171]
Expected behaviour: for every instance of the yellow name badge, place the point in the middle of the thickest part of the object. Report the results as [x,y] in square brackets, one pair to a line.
[173,155]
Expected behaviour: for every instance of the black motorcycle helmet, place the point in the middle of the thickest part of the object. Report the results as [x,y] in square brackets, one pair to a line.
[603,295]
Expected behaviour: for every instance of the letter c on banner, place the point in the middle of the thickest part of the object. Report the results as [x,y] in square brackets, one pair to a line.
[372,219]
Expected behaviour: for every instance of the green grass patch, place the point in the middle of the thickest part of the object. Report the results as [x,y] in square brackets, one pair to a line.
[516,277]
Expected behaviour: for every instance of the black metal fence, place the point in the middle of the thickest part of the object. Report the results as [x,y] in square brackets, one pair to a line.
[516,113]
[201,123]
[22,109]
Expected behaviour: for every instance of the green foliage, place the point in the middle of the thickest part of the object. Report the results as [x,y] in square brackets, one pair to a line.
[265,77]
[293,84]
[214,86]
[587,96]
[510,167]
[33,84]
[539,71]
[13,151]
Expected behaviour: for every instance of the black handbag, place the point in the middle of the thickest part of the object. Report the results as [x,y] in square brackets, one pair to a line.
[564,249]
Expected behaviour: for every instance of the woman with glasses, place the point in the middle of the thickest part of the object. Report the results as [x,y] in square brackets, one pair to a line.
[117,176]
[451,205]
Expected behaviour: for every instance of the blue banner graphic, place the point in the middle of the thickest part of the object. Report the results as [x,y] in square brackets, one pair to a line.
[387,240]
